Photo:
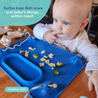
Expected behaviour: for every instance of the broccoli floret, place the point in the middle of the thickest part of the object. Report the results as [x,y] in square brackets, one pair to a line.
[59,64]
[52,68]
[56,72]
[46,57]
[35,55]
[54,65]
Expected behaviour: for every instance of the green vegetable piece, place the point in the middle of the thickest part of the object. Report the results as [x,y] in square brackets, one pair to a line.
[59,64]
[35,55]
[56,72]
[52,68]
[54,65]
[46,57]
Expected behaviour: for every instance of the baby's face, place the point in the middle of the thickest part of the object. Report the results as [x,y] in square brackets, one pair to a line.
[66,22]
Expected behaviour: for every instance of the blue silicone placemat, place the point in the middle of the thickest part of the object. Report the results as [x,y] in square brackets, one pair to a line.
[20,69]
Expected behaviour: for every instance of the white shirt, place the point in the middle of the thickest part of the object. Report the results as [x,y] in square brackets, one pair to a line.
[80,44]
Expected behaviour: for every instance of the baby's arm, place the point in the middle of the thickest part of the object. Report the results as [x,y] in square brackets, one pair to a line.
[40,29]
[44,32]
[90,53]
[93,81]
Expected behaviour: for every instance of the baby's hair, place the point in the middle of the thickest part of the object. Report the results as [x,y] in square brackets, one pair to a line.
[83,7]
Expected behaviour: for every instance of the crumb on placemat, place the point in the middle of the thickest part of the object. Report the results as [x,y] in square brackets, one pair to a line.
[27,53]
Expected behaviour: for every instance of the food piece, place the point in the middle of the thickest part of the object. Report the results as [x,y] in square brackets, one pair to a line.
[56,72]
[35,55]
[15,34]
[42,59]
[47,61]
[26,53]
[19,30]
[31,48]
[34,48]
[41,64]
[59,64]
[5,29]
[21,52]
[54,65]
[42,52]
[25,30]
[51,64]
[46,57]
[51,55]
[5,40]
[52,68]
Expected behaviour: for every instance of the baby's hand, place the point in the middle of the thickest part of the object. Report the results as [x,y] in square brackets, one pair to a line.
[50,37]
[93,81]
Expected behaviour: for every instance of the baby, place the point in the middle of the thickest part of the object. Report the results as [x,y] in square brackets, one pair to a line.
[69,21]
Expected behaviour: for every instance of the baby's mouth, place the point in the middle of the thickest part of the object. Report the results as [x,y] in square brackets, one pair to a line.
[59,34]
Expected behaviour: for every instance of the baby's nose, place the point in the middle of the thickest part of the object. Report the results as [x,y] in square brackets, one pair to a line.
[59,28]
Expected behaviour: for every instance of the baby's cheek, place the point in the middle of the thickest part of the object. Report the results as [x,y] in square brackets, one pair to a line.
[54,26]
[67,35]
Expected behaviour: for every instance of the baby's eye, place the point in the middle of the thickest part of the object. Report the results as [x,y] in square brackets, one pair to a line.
[66,23]
[55,20]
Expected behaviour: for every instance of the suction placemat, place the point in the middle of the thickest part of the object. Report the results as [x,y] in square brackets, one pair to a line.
[25,70]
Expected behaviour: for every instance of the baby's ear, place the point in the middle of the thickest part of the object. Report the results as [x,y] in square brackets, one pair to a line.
[84,23]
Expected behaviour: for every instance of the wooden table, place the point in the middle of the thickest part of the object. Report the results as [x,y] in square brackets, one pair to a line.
[78,87]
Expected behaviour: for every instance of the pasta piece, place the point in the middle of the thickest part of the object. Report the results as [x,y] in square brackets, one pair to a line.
[41,64]
[42,59]
[42,52]
[51,55]
[26,53]
[21,52]
[47,61]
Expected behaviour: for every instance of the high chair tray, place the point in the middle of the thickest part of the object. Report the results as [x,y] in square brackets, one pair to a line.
[26,72]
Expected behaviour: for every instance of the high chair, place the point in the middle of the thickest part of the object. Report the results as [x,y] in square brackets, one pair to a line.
[92,16]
